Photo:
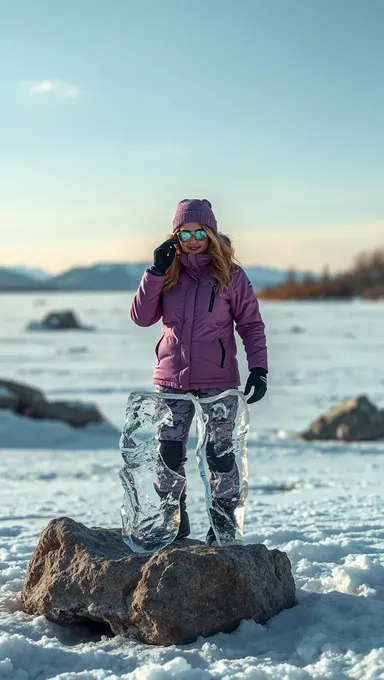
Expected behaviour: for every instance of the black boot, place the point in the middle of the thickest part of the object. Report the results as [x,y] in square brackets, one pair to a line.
[174,457]
[223,518]
[222,465]
[184,528]
[210,538]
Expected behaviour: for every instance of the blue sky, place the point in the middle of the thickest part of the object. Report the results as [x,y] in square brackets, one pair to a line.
[111,112]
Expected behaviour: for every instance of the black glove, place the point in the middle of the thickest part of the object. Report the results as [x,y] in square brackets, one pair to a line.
[163,256]
[258,380]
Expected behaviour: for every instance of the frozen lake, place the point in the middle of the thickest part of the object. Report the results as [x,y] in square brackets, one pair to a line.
[321,503]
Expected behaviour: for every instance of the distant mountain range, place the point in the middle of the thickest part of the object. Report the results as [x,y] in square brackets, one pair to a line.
[31,272]
[106,277]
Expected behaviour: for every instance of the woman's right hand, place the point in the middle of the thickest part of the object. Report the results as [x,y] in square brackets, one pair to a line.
[164,255]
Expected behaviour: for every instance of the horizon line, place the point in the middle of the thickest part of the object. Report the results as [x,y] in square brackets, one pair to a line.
[146,263]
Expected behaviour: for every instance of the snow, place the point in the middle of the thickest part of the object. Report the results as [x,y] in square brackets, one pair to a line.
[319,502]
[18,432]
[53,326]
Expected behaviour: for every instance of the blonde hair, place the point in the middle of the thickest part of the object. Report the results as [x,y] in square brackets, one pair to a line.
[222,265]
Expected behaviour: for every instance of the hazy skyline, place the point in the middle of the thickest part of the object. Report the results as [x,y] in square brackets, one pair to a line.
[112,113]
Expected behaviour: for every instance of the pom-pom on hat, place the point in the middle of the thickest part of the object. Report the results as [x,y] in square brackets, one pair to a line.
[195,210]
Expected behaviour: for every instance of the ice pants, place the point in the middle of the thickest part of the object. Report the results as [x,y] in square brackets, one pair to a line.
[224,473]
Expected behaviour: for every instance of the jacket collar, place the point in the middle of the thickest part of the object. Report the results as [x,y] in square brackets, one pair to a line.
[195,264]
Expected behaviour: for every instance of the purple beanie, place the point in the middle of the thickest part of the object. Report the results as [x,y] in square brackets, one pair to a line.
[194,210]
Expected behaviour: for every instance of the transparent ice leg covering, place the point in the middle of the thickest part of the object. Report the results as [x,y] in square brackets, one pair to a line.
[223,463]
[152,490]
[151,508]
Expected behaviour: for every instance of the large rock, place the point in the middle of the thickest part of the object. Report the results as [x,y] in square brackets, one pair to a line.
[31,402]
[74,413]
[8,399]
[21,391]
[78,574]
[354,420]
[59,321]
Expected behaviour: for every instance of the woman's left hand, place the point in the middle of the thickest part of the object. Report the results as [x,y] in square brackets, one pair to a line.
[258,380]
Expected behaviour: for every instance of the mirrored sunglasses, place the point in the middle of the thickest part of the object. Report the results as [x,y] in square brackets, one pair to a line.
[186,236]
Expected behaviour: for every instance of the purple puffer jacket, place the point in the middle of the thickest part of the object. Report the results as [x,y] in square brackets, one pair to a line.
[197,348]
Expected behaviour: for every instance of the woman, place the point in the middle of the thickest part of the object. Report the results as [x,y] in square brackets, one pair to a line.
[200,294]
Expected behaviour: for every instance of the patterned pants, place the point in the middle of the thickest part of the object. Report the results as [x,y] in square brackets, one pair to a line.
[224,478]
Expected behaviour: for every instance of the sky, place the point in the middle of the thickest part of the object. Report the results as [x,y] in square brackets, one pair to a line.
[112,112]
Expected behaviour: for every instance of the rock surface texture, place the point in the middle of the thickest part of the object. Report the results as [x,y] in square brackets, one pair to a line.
[78,574]
[354,420]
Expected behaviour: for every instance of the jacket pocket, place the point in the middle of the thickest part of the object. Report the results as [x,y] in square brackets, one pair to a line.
[223,353]
[157,347]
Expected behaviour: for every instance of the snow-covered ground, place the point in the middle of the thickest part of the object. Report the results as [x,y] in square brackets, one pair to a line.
[321,503]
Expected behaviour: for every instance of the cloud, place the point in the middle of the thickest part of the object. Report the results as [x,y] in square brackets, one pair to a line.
[54,87]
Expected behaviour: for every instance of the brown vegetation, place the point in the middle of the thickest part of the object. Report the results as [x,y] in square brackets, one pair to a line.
[365,279]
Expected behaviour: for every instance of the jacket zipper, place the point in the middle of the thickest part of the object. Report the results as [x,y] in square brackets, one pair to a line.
[223,353]
[212,299]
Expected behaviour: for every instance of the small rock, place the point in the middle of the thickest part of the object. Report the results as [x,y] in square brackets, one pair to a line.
[81,575]
[356,419]
[296,329]
[59,321]
[80,349]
